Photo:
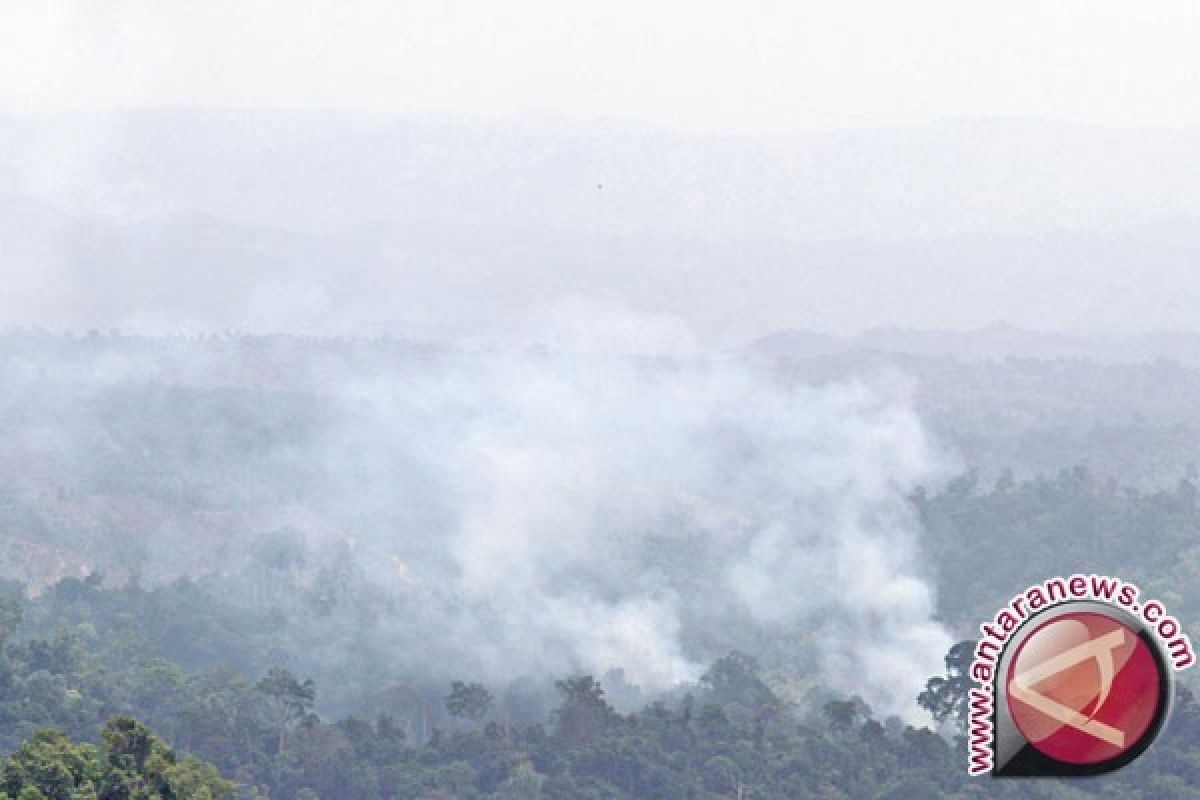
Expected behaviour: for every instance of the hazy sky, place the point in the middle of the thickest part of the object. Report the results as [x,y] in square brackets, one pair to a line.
[753,66]
[446,224]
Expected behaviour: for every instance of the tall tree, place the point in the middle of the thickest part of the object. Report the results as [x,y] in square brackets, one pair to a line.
[584,712]
[291,699]
[948,695]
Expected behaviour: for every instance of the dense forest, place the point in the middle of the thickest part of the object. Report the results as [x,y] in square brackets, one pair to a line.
[732,735]
[197,603]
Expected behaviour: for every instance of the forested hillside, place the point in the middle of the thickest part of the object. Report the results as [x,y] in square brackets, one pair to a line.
[732,735]
[227,540]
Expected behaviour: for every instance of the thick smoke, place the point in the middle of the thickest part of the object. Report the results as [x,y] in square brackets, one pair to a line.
[577,506]
[595,493]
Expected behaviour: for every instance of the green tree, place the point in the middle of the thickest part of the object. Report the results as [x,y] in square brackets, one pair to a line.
[468,701]
[11,613]
[584,712]
[193,779]
[136,765]
[54,765]
[846,715]
[948,695]
[291,699]
[523,783]
[137,761]
[734,680]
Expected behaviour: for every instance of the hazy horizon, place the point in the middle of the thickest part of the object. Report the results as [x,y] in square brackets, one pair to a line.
[441,227]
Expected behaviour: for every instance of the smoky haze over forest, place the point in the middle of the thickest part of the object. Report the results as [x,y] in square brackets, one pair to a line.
[591,426]
[535,510]
[542,401]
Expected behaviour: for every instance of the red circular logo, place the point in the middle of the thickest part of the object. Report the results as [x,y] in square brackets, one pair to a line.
[1084,688]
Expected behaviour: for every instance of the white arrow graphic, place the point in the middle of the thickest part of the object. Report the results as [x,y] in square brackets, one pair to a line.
[1021,686]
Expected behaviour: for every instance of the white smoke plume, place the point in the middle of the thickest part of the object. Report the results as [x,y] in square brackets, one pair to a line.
[580,507]
[597,492]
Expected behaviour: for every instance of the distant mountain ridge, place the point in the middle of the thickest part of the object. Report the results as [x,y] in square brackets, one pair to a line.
[326,222]
[334,171]
[996,341]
